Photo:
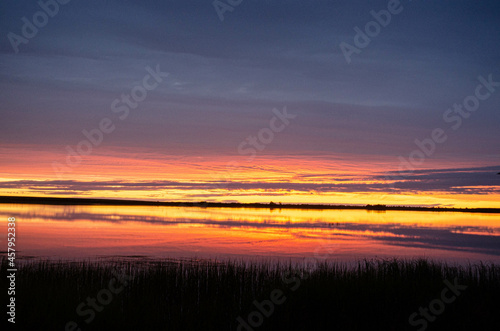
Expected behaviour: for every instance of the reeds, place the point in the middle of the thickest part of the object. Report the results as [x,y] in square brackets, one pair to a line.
[210,295]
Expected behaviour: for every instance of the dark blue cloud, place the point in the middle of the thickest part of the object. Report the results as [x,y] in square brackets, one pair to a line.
[455,181]
[225,77]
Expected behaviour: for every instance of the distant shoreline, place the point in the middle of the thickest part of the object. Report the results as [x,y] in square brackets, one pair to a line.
[119,202]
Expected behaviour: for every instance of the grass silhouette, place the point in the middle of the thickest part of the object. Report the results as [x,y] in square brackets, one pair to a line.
[211,295]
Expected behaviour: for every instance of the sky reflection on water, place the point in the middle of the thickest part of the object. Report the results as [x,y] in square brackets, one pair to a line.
[75,232]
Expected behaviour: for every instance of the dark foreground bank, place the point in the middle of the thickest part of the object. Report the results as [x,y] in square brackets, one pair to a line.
[208,295]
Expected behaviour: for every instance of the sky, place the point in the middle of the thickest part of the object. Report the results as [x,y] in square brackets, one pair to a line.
[349,102]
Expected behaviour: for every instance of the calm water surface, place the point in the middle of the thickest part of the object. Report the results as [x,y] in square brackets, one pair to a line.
[83,232]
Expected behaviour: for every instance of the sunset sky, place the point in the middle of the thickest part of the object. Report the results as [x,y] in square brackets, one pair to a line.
[166,101]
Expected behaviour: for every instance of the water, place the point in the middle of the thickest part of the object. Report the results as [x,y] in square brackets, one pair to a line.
[94,232]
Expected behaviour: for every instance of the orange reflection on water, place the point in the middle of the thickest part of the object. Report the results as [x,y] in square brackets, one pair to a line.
[182,232]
